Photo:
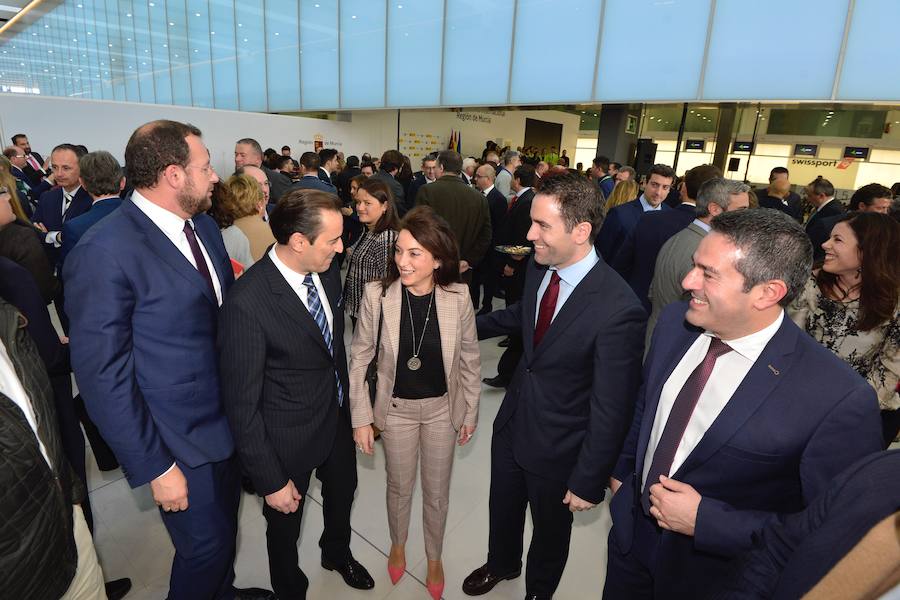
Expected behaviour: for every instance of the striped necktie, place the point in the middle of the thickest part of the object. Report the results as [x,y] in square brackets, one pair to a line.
[318,315]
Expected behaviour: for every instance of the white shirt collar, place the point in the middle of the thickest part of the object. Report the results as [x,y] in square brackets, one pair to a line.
[823,204]
[294,279]
[751,346]
[111,197]
[522,191]
[170,223]
[704,226]
[488,191]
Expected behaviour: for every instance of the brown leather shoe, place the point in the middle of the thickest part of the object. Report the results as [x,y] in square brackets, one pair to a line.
[481,581]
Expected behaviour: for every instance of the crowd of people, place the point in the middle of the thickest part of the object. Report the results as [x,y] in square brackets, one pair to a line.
[723,360]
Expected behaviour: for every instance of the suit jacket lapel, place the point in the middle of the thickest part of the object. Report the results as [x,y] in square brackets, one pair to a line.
[529,304]
[290,303]
[166,250]
[448,326]
[392,305]
[754,390]
[213,258]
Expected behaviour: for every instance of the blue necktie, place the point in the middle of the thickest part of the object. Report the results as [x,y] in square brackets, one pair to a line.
[318,315]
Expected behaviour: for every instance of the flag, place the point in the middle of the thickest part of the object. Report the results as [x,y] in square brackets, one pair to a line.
[459,142]
[452,145]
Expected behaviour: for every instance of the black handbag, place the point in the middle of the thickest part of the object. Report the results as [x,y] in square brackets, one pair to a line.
[372,369]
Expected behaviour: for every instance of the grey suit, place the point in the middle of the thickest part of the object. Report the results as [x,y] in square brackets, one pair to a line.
[279,184]
[673,263]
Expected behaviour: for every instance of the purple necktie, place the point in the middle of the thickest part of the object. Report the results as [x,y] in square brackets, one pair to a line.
[548,307]
[679,417]
[198,256]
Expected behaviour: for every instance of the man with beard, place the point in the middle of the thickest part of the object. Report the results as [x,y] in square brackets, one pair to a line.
[146,286]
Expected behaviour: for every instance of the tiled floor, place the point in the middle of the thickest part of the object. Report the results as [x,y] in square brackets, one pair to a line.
[132,542]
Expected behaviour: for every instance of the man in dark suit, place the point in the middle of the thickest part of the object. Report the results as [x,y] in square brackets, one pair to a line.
[328,165]
[622,219]
[820,194]
[512,268]
[34,163]
[427,175]
[463,208]
[636,258]
[145,288]
[284,313]
[739,418]
[391,161]
[310,178]
[873,197]
[344,177]
[778,195]
[28,195]
[248,153]
[561,425]
[488,272]
[62,203]
[102,178]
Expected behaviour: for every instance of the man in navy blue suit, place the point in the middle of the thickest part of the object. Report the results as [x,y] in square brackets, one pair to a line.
[145,288]
[102,178]
[310,180]
[636,258]
[622,219]
[62,203]
[34,162]
[741,417]
[566,410]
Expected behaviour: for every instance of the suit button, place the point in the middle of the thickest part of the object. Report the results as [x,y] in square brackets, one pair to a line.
[528,370]
[394,404]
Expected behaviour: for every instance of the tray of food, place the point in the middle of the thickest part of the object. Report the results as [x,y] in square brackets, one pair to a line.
[514,250]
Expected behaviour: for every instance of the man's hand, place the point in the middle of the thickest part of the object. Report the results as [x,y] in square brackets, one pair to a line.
[286,500]
[575,503]
[674,505]
[365,438]
[508,271]
[465,434]
[614,485]
[464,266]
[170,490]
[518,257]
[40,227]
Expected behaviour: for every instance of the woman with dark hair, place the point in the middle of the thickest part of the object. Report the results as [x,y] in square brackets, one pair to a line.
[374,250]
[851,305]
[419,325]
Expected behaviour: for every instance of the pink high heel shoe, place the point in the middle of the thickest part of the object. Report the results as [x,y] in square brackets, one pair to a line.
[435,589]
[396,573]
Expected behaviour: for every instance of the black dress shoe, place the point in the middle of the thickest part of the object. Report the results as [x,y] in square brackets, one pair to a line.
[354,574]
[481,581]
[117,588]
[253,594]
[504,343]
[496,382]
[538,597]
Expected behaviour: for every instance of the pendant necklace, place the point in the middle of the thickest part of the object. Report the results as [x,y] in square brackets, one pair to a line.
[414,363]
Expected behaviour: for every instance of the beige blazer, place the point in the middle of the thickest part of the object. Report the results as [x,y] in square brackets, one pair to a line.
[258,233]
[459,346]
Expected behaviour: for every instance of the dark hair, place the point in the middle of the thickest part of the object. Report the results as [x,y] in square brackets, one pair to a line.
[525,175]
[79,151]
[773,246]
[697,176]
[434,234]
[352,161]
[868,194]
[429,157]
[153,147]
[310,161]
[358,179]
[820,185]
[391,159]
[17,136]
[613,164]
[300,211]
[601,162]
[11,152]
[253,144]
[578,199]
[450,161]
[101,173]
[661,170]
[326,154]
[281,160]
[878,237]
[371,165]
[222,207]
[379,190]
[778,171]
[283,148]
[895,189]
[719,191]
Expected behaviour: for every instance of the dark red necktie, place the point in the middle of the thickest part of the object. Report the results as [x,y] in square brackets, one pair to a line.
[548,307]
[198,256]
[680,415]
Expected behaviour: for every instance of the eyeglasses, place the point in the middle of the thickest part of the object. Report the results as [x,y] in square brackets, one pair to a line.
[207,170]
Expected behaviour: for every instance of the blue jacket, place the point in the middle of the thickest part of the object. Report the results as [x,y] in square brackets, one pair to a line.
[49,212]
[800,416]
[311,182]
[617,226]
[143,342]
[74,229]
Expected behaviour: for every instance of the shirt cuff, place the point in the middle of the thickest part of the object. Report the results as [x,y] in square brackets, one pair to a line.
[50,238]
[166,472]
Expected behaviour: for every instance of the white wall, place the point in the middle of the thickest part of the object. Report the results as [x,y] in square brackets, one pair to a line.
[102,125]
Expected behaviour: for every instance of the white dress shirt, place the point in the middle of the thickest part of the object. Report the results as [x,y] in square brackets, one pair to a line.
[295,280]
[727,375]
[52,237]
[569,278]
[172,227]
[13,389]
[488,191]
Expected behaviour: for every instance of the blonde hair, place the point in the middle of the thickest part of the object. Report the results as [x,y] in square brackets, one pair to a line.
[8,180]
[625,191]
[245,198]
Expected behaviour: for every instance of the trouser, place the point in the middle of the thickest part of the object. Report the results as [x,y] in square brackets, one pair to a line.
[509,360]
[415,426]
[628,575]
[338,477]
[204,534]
[88,581]
[512,491]
[103,454]
[890,425]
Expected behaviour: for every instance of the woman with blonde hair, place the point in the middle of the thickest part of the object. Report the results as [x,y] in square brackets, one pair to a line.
[625,191]
[419,325]
[247,205]
[9,181]
[223,211]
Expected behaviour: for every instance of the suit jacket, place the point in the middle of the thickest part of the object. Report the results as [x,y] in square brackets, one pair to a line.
[258,233]
[279,184]
[799,417]
[278,384]
[311,182]
[343,184]
[793,554]
[396,189]
[814,226]
[619,223]
[793,208]
[417,182]
[819,233]
[459,347]
[498,205]
[74,229]
[34,176]
[466,210]
[143,333]
[571,398]
[636,258]
[325,176]
[49,212]
[20,242]
[675,259]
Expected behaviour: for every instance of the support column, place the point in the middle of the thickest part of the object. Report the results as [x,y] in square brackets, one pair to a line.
[613,139]
[727,116]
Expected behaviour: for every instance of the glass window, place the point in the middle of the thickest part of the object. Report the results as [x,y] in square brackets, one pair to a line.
[251,57]
[415,41]
[179,61]
[199,53]
[319,54]
[143,62]
[872,57]
[224,56]
[282,56]
[159,51]
[471,76]
[362,53]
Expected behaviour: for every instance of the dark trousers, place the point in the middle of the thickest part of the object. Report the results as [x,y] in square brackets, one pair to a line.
[512,490]
[204,534]
[338,477]
[890,425]
[509,360]
[103,454]
[70,434]
[628,575]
